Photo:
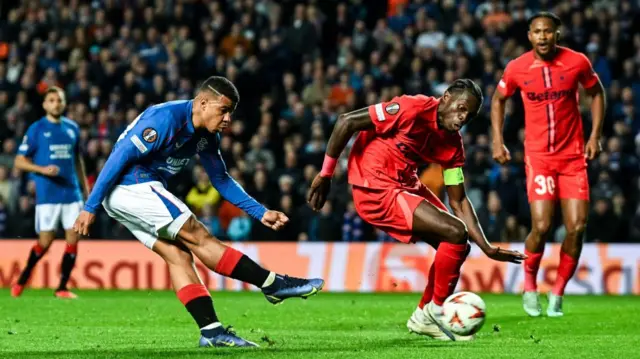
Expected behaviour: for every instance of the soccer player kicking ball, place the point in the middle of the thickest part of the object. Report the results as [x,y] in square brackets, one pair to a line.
[131,187]
[548,78]
[395,137]
[49,151]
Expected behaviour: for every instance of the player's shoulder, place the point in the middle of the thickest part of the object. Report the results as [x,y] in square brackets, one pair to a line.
[522,62]
[37,125]
[71,123]
[171,113]
[414,101]
[166,109]
[572,56]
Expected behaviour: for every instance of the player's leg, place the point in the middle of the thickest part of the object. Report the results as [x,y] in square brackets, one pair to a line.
[69,214]
[196,298]
[46,220]
[542,194]
[232,263]
[427,295]
[138,208]
[394,212]
[573,189]
[541,220]
[432,222]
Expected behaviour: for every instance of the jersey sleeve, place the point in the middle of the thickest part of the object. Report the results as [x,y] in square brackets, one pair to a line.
[29,144]
[145,135]
[227,187]
[388,116]
[507,85]
[76,131]
[586,75]
[458,158]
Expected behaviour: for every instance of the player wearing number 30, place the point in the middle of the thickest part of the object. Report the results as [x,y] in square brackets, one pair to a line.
[548,77]
[131,188]
[395,138]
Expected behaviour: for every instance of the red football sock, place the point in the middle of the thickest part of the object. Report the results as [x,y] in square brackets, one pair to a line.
[197,300]
[448,261]
[531,266]
[71,248]
[236,265]
[428,290]
[566,269]
[228,262]
[68,262]
[192,291]
[37,249]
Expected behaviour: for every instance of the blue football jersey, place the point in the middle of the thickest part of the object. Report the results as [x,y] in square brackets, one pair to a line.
[158,144]
[47,143]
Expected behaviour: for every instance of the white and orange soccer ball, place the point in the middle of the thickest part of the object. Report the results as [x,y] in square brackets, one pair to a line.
[464,313]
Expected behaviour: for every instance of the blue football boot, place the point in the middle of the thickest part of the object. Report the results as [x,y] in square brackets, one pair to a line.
[224,337]
[284,287]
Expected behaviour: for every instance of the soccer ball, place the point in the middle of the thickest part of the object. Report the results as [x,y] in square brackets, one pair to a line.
[464,313]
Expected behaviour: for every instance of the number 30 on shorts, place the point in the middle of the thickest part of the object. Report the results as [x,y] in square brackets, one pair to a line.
[546,184]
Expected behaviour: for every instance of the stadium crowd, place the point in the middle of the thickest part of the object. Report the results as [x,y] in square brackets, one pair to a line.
[298,65]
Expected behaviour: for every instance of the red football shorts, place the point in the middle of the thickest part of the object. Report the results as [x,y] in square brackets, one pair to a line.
[553,178]
[392,210]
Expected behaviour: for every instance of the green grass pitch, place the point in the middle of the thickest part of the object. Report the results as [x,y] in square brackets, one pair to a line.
[130,324]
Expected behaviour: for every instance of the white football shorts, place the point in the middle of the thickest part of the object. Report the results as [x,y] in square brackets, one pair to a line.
[49,215]
[148,210]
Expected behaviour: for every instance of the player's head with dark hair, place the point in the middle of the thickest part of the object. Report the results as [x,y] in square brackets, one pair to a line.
[460,103]
[216,100]
[544,33]
[54,102]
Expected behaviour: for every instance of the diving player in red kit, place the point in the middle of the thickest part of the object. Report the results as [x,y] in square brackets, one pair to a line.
[395,137]
[555,153]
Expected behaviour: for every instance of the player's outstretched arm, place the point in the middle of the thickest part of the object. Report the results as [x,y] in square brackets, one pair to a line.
[232,191]
[463,209]
[498,103]
[346,126]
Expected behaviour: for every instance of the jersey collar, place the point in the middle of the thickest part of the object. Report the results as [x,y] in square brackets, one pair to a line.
[190,129]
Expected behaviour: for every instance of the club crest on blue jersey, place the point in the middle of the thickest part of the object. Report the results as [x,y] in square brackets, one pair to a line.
[150,135]
[202,144]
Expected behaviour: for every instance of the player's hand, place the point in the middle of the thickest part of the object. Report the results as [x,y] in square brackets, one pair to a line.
[505,255]
[274,220]
[593,148]
[318,192]
[83,222]
[50,170]
[501,153]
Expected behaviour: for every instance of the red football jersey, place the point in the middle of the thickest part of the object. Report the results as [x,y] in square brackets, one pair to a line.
[549,90]
[406,135]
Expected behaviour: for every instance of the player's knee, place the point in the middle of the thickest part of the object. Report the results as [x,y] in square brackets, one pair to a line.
[176,256]
[194,232]
[457,233]
[576,228]
[541,227]
[45,242]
